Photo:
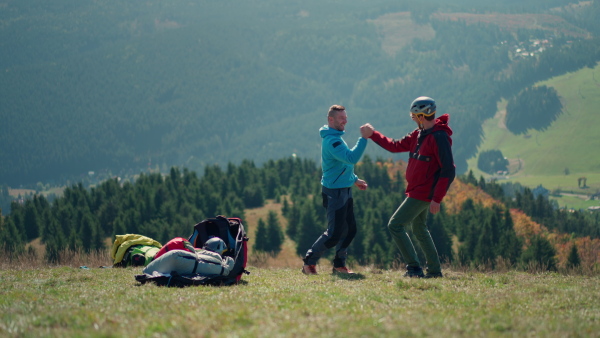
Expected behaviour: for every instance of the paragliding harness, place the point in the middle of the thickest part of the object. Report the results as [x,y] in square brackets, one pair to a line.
[231,231]
[138,255]
[177,280]
[133,250]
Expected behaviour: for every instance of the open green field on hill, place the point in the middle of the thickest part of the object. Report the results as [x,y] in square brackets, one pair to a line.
[71,302]
[570,145]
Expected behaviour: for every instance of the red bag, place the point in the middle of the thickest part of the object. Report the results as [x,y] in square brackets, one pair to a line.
[177,243]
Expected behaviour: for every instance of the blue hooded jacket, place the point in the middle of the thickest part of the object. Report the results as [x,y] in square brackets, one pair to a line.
[337,160]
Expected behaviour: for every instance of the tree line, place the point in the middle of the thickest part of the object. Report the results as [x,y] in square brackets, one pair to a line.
[542,210]
[155,205]
[167,206]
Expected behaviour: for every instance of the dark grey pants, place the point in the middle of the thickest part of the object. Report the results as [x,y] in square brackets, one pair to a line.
[341,227]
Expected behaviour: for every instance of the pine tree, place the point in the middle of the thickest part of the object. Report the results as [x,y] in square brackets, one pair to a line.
[495,220]
[31,221]
[274,234]
[481,183]
[56,243]
[369,235]
[484,249]
[308,229]
[573,259]
[442,240]
[272,183]
[509,244]
[253,196]
[16,215]
[540,252]
[261,241]
[10,238]
[377,256]
[398,182]
[285,209]
[293,217]
[470,179]
[73,242]
[466,215]
[89,232]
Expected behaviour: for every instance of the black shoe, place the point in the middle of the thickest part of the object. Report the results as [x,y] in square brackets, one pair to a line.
[434,275]
[414,272]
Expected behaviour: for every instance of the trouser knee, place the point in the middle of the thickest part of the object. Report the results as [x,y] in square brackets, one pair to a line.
[396,228]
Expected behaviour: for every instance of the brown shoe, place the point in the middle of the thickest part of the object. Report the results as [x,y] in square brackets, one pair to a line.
[309,269]
[342,271]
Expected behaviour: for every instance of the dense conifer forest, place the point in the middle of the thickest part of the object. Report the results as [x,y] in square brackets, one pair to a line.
[167,206]
[122,87]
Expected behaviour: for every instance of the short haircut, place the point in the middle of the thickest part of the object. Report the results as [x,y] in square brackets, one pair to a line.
[334,109]
[430,117]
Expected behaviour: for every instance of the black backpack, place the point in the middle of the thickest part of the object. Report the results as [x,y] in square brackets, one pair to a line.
[231,231]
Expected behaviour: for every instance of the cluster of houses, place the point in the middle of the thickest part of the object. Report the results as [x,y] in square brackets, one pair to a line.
[529,48]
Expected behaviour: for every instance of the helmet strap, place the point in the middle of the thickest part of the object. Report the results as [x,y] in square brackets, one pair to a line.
[419,123]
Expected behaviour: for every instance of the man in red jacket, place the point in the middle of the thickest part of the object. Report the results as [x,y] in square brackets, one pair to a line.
[429,174]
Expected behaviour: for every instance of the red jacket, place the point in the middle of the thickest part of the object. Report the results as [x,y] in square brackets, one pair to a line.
[431,167]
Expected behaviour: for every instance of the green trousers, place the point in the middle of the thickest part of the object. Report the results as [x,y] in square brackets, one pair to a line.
[414,212]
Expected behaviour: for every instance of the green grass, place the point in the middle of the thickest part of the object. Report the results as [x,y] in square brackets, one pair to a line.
[283,302]
[574,202]
[572,142]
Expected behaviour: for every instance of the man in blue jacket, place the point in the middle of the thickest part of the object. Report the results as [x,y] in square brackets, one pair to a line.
[337,162]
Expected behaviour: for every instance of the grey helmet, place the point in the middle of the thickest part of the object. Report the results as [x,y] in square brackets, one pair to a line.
[215,244]
[423,105]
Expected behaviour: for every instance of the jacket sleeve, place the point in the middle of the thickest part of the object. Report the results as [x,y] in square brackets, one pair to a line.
[340,151]
[391,145]
[447,167]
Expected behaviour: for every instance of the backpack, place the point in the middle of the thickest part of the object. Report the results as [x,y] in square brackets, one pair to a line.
[133,249]
[177,243]
[138,255]
[231,231]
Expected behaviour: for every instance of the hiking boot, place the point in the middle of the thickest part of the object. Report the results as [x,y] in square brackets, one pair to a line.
[434,275]
[414,272]
[309,269]
[342,270]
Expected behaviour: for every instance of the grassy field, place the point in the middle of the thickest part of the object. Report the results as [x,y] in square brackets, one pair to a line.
[542,157]
[70,302]
[277,300]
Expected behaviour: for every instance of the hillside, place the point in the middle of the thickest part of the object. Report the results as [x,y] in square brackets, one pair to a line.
[459,192]
[524,226]
[569,145]
[116,89]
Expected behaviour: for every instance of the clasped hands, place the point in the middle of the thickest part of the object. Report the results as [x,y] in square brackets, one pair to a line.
[366,130]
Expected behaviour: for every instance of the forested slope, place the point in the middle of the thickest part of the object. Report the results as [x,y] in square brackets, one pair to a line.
[120,87]
[478,225]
